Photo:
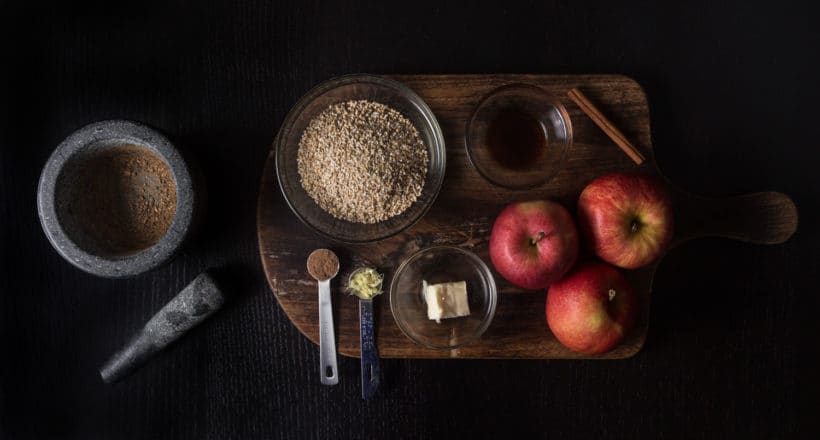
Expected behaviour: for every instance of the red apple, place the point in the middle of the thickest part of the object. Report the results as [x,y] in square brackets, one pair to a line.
[626,219]
[591,309]
[533,243]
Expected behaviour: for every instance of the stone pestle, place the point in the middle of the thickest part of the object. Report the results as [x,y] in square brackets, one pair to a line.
[195,303]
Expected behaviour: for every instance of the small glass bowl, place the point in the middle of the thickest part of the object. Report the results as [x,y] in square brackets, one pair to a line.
[335,91]
[518,113]
[441,264]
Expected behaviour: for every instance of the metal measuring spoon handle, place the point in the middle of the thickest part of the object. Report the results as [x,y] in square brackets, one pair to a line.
[370,354]
[327,340]
[369,349]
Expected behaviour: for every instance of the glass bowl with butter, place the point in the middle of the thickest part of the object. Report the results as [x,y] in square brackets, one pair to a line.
[443,297]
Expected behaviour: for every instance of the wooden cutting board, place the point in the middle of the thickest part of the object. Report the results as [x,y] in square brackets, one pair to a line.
[466,207]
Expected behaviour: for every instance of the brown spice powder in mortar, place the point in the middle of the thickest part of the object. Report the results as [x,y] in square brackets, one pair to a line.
[119,200]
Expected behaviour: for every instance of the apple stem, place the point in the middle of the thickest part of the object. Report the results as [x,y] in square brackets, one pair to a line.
[634,226]
[538,238]
[612,294]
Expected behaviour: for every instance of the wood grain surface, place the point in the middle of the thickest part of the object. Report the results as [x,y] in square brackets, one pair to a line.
[731,350]
[466,207]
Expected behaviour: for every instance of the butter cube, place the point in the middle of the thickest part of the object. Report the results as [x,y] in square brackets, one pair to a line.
[446,300]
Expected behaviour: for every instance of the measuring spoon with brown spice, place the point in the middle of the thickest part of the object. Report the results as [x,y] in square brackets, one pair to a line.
[323,265]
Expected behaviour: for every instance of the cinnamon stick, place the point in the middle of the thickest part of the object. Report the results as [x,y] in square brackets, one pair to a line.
[606,125]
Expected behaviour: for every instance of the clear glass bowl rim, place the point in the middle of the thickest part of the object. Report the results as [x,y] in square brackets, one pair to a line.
[492,292]
[332,83]
[553,101]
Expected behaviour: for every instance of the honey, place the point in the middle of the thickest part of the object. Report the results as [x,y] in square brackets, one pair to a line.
[516,140]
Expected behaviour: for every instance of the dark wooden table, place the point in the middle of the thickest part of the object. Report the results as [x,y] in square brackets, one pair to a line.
[732,349]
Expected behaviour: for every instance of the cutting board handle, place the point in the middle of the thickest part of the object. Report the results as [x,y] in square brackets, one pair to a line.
[761,218]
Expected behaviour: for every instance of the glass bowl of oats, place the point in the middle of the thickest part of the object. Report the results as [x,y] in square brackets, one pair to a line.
[360,158]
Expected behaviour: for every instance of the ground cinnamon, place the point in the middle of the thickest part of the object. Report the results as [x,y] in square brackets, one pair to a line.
[117,200]
[322,264]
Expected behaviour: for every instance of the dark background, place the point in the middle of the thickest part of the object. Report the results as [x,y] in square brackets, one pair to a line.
[733,341]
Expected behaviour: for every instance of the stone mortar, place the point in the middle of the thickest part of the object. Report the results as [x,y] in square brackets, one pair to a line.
[96,137]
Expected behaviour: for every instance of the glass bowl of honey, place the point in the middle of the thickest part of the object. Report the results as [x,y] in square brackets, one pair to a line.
[518,136]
